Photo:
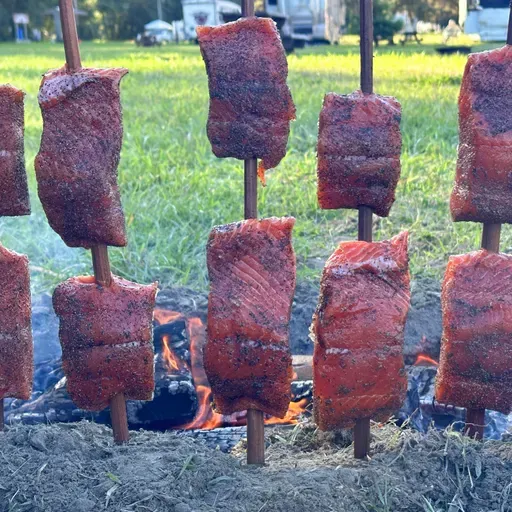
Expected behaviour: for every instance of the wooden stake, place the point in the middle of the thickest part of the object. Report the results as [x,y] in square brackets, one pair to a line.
[475,423]
[475,418]
[119,419]
[364,231]
[100,259]
[366,45]
[255,420]
[255,437]
[362,438]
[509,33]
[69,35]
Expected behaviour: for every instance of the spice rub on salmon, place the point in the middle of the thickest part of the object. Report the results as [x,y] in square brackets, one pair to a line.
[251,265]
[483,183]
[250,104]
[76,167]
[359,145]
[358,328]
[16,349]
[106,338]
[475,368]
[14,199]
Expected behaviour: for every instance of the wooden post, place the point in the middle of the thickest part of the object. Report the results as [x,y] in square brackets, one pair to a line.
[509,33]
[362,426]
[475,423]
[255,437]
[255,419]
[475,418]
[99,253]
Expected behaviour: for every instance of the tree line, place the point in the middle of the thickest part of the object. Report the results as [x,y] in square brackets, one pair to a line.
[123,19]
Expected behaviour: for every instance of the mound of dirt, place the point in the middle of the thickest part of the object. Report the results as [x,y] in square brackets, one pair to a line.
[77,468]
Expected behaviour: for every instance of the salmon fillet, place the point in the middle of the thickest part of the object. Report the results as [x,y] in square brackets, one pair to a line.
[475,368]
[16,349]
[359,145]
[250,104]
[76,167]
[358,328]
[106,338]
[251,265]
[14,199]
[484,165]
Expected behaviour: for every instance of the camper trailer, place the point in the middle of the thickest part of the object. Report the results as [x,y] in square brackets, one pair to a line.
[299,21]
[206,12]
[485,18]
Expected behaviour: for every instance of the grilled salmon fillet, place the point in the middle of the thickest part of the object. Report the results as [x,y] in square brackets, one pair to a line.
[106,338]
[359,145]
[251,265]
[250,104]
[14,199]
[76,167]
[484,166]
[475,368]
[358,328]
[16,349]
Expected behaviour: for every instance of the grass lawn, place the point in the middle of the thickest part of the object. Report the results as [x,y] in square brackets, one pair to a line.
[174,190]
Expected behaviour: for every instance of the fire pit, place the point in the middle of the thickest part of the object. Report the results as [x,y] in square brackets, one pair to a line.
[182,394]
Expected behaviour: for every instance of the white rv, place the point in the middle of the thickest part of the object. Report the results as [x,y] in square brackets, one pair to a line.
[205,12]
[486,18]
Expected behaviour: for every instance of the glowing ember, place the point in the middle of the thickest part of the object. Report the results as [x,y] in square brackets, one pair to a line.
[424,360]
[206,418]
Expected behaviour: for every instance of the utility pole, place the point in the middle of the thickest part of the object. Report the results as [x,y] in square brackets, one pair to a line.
[159,9]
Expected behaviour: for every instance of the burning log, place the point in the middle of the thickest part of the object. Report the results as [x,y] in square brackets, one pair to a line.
[182,398]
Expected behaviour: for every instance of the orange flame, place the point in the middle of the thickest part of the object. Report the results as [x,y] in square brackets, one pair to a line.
[174,364]
[206,418]
[292,415]
[164,316]
[424,360]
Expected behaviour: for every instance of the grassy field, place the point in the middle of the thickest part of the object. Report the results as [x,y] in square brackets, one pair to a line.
[174,190]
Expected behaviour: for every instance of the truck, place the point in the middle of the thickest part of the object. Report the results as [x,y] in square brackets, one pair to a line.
[485,18]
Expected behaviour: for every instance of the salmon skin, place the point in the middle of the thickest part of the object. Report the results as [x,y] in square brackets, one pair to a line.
[251,265]
[106,338]
[14,199]
[76,168]
[484,165]
[358,329]
[250,104]
[16,348]
[359,145]
[475,368]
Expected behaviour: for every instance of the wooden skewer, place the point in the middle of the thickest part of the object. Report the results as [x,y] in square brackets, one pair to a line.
[99,253]
[255,419]
[362,426]
[475,418]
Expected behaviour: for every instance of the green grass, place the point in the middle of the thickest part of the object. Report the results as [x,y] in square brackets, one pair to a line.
[174,190]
